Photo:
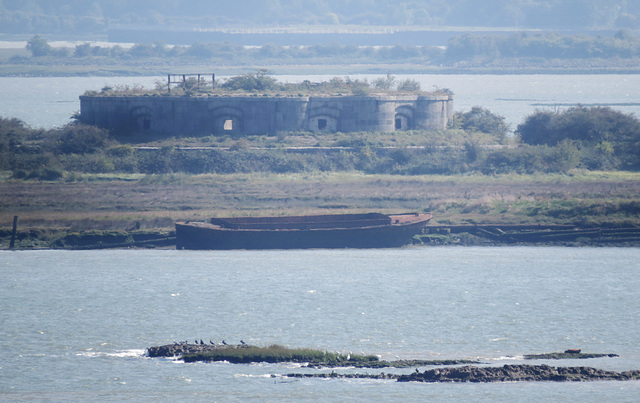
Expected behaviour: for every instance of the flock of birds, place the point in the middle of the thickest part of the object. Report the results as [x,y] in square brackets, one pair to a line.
[224,343]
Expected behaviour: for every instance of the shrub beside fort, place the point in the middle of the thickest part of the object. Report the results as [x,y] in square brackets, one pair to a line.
[76,149]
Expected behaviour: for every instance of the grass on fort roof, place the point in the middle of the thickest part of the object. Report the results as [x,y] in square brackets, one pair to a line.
[261,84]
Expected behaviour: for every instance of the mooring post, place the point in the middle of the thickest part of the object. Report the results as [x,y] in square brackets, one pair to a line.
[12,244]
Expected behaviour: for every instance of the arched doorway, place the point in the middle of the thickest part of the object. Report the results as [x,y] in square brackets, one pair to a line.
[324,119]
[403,118]
[227,120]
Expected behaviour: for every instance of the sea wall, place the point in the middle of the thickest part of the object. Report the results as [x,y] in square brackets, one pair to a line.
[247,115]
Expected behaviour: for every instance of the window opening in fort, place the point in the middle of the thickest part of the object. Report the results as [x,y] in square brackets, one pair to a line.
[146,124]
[228,124]
[398,124]
[322,124]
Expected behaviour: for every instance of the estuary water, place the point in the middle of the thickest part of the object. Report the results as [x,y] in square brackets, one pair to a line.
[46,102]
[74,324]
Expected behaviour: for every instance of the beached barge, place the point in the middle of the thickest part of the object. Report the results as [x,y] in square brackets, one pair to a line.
[371,230]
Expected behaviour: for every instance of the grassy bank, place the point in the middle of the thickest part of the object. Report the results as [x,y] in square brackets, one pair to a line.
[154,202]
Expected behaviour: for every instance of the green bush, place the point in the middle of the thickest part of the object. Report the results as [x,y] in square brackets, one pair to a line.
[601,132]
[79,139]
[46,174]
[479,119]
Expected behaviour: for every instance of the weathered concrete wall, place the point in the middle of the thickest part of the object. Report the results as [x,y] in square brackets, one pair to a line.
[195,116]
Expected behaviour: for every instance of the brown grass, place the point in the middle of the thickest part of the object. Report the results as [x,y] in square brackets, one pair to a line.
[158,201]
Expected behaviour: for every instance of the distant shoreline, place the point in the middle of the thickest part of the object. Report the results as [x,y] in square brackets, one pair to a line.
[149,69]
[9,72]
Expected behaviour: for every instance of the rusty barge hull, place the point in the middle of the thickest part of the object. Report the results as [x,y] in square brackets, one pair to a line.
[371,230]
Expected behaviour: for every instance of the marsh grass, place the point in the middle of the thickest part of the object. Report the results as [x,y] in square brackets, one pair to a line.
[312,358]
[275,354]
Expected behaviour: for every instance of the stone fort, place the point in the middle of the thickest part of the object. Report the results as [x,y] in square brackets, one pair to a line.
[258,115]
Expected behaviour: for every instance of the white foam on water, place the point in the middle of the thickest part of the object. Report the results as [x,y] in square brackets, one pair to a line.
[255,375]
[505,357]
[132,353]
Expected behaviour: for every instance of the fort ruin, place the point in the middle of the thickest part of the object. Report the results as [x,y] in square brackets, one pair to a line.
[228,113]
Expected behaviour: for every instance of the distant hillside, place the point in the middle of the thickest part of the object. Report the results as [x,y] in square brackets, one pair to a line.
[74,17]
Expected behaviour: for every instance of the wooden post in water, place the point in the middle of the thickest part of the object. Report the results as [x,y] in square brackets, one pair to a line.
[13,234]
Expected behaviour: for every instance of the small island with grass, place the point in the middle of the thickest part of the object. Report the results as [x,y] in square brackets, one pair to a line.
[453,370]
[245,354]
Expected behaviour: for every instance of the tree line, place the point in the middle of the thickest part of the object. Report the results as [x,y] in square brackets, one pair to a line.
[525,46]
[623,44]
[592,138]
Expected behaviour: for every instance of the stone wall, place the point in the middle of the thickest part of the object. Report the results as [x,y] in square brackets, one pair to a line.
[246,115]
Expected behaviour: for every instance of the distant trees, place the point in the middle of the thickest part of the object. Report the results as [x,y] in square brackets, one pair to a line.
[522,49]
[542,45]
[38,46]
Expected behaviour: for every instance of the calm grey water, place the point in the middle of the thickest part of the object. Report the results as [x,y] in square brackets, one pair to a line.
[50,101]
[74,324]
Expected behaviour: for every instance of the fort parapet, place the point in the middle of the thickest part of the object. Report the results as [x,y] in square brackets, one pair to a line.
[258,115]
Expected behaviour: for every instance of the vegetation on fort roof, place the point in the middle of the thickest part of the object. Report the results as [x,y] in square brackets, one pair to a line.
[261,83]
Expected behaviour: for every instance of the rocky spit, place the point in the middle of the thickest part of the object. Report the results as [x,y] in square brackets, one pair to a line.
[467,373]
[506,373]
[518,373]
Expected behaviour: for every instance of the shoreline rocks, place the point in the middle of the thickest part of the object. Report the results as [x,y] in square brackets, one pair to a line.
[506,373]
[567,355]
[519,373]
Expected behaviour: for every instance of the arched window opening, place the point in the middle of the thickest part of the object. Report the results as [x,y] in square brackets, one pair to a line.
[323,124]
